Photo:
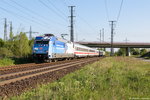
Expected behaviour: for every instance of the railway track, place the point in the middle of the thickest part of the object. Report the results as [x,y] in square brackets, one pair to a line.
[15,82]
[15,66]
[21,67]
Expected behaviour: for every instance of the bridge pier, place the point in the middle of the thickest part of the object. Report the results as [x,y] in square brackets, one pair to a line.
[128,51]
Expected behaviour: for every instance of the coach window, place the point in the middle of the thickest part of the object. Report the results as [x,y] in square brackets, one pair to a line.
[92,51]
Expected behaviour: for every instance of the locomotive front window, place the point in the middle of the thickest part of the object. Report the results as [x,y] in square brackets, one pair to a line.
[45,42]
[42,42]
[38,42]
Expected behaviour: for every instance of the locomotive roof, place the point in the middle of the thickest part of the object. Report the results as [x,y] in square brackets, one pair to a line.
[83,46]
[49,36]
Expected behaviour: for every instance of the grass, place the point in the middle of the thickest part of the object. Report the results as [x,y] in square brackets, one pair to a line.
[146,57]
[117,78]
[6,62]
[13,61]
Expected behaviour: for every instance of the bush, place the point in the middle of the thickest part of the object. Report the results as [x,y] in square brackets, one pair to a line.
[1,43]
[135,51]
[121,52]
[6,62]
[4,52]
[146,54]
[143,51]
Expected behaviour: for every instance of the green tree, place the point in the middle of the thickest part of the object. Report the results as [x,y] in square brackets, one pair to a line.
[135,51]
[121,52]
[143,51]
[1,43]
[4,52]
[11,36]
[31,42]
[107,53]
[21,45]
[4,49]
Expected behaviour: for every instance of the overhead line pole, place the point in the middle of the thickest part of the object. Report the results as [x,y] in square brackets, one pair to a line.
[11,31]
[30,33]
[102,34]
[126,40]
[5,29]
[112,36]
[72,24]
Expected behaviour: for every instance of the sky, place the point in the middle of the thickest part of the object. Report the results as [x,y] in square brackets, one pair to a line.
[51,16]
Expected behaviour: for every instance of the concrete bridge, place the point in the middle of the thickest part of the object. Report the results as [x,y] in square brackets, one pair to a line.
[126,45]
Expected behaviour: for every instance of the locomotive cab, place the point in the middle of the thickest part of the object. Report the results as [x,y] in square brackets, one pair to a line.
[41,47]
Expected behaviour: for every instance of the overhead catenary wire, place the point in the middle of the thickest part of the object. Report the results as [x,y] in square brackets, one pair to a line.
[107,13]
[20,16]
[71,2]
[106,8]
[23,12]
[64,3]
[35,13]
[112,26]
[59,15]
[120,10]
[25,8]
[118,16]
[79,16]
[56,8]
[89,25]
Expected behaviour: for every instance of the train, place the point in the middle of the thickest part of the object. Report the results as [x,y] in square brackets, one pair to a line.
[51,48]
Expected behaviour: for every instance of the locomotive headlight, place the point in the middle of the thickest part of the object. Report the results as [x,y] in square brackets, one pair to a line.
[35,48]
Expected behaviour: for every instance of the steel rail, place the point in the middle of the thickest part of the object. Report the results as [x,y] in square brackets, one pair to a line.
[16,66]
[33,70]
[26,65]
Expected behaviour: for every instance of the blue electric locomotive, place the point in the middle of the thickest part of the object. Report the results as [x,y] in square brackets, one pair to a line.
[49,47]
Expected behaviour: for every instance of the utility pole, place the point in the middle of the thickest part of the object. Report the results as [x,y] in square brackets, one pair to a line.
[103,34]
[126,40]
[30,33]
[112,23]
[5,29]
[100,34]
[11,32]
[71,24]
